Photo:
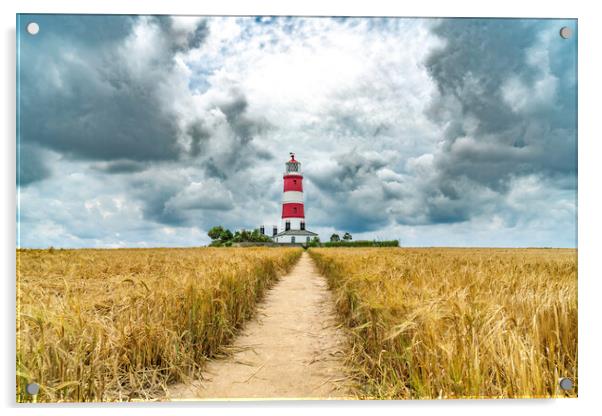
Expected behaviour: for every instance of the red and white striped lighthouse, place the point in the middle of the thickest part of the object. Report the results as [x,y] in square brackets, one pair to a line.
[292,228]
[293,210]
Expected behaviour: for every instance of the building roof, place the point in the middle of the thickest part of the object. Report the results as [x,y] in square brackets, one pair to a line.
[294,232]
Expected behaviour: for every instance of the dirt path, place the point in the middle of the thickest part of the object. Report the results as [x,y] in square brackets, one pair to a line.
[291,350]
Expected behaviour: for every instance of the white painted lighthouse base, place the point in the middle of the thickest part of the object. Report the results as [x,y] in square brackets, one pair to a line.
[291,239]
[294,237]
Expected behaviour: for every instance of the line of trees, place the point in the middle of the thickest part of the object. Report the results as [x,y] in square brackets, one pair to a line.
[221,236]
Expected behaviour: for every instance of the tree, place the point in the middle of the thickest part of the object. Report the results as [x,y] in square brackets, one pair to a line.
[215,232]
[334,238]
[315,242]
[221,236]
[226,235]
[347,237]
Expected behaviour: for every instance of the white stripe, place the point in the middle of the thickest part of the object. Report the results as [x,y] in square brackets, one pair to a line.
[293,196]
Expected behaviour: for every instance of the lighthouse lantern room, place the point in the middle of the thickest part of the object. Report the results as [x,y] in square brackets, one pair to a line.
[293,229]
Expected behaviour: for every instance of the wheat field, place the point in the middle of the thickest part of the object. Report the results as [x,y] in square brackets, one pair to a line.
[456,323]
[107,325]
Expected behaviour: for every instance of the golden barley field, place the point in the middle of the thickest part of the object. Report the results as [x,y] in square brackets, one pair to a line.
[457,323]
[105,325]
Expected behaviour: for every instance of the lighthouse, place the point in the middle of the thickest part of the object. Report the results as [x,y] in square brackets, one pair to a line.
[293,229]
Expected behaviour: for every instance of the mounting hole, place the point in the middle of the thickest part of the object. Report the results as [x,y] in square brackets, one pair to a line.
[565,32]
[33,28]
[565,383]
[33,388]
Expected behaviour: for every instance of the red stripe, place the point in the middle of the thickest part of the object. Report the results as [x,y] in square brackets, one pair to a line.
[293,183]
[292,210]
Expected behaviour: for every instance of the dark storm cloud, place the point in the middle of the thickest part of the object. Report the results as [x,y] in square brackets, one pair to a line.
[351,195]
[154,190]
[171,197]
[33,166]
[234,149]
[83,96]
[234,111]
[103,89]
[350,171]
[507,94]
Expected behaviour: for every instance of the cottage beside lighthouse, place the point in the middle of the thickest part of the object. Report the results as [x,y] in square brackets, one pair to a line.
[292,228]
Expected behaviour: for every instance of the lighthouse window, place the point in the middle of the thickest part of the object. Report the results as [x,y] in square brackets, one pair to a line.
[295,181]
[287,226]
[302,225]
[292,239]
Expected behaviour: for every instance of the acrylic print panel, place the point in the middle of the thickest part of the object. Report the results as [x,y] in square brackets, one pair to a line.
[295,207]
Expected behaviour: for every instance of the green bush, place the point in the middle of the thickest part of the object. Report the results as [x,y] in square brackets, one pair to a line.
[315,242]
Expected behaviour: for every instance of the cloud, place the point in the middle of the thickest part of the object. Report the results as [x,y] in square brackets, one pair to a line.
[209,195]
[507,99]
[33,165]
[234,130]
[120,99]
[358,187]
[148,130]
[120,166]
[98,100]
[350,171]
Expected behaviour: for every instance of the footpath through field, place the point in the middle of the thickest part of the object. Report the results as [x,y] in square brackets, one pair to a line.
[292,349]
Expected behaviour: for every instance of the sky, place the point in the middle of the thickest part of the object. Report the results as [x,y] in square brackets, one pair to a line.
[145,131]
